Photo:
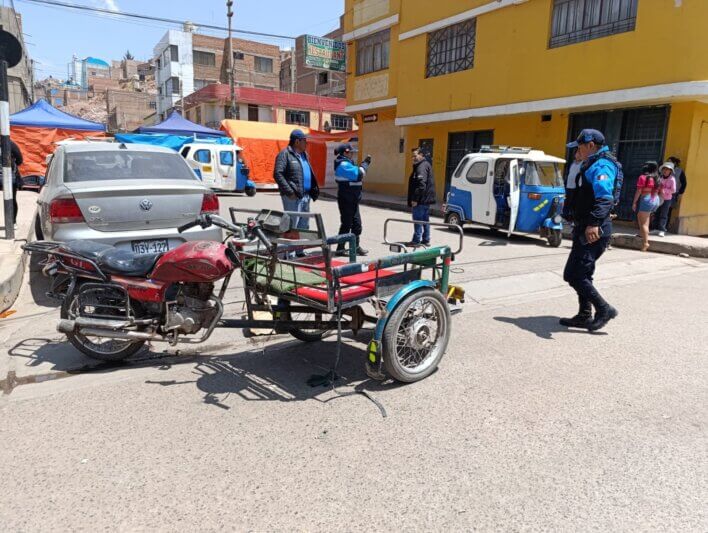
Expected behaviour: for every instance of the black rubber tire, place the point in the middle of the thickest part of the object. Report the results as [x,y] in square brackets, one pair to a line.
[454,219]
[250,191]
[555,237]
[38,233]
[308,336]
[128,351]
[393,366]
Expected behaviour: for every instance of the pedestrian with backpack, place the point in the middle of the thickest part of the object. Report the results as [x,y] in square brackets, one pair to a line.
[646,199]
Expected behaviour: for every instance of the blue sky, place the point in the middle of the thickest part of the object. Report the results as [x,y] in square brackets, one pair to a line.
[53,35]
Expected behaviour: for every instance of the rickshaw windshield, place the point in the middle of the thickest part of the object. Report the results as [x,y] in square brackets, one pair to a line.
[543,174]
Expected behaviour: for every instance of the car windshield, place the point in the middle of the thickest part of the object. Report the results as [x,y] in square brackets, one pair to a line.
[125,165]
[543,173]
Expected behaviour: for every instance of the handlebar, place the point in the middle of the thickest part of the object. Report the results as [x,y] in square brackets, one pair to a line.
[208,220]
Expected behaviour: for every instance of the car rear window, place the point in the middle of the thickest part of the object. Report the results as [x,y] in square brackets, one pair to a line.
[125,165]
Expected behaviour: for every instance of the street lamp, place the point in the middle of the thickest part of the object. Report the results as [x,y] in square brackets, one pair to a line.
[232,90]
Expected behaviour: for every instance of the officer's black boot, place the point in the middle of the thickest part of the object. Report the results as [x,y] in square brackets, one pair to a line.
[604,312]
[582,319]
[359,250]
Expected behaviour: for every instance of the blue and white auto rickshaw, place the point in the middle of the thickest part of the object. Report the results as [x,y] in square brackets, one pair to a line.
[220,166]
[518,190]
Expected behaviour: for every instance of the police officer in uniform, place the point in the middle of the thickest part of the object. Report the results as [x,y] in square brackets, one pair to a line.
[590,211]
[350,179]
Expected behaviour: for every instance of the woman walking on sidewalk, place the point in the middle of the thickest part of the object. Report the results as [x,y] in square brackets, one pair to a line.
[668,189]
[646,199]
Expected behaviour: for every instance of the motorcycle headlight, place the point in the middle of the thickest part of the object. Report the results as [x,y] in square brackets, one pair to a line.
[557,219]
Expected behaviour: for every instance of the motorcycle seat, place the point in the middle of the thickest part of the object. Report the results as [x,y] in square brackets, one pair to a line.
[113,260]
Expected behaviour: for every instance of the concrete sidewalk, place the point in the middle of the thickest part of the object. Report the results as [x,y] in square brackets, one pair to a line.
[625,233]
[12,259]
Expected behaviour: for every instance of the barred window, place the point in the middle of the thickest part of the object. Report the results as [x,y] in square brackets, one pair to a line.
[575,21]
[208,59]
[451,49]
[299,118]
[372,52]
[342,122]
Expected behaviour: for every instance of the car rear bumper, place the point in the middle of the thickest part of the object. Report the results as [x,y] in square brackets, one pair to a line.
[123,239]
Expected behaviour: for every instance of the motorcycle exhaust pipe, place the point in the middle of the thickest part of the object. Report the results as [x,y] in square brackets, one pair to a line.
[122,335]
[70,326]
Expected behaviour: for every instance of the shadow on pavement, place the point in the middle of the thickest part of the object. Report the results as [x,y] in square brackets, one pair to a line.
[280,373]
[543,326]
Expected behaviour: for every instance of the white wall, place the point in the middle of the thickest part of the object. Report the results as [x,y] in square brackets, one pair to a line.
[182,69]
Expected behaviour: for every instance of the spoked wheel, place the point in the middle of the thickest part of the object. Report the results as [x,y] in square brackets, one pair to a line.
[416,336]
[99,348]
[310,335]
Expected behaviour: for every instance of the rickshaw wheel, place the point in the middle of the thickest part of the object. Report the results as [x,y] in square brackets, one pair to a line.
[416,336]
[454,219]
[250,191]
[308,335]
[555,237]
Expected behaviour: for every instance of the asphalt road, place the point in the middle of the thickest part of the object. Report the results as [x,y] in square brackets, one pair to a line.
[526,425]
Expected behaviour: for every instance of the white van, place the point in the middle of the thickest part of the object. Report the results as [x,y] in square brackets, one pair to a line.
[219,166]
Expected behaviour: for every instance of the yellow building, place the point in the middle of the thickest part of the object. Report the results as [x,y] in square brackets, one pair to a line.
[452,75]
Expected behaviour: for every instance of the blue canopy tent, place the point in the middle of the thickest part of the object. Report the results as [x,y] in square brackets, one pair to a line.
[176,124]
[37,129]
[42,115]
[176,142]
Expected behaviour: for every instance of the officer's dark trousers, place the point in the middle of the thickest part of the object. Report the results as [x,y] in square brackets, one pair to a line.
[580,269]
[349,213]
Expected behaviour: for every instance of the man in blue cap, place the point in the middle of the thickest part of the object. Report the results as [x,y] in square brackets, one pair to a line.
[590,211]
[350,179]
[295,178]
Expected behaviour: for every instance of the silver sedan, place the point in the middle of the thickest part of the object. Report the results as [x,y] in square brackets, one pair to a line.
[126,195]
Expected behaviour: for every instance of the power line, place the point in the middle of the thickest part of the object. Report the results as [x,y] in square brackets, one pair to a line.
[125,14]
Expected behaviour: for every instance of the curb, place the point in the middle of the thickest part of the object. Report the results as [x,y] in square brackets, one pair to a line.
[10,286]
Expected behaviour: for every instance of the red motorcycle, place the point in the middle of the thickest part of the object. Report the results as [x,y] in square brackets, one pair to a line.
[114,301]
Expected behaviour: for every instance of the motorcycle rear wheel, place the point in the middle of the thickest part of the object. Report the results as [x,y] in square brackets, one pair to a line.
[111,350]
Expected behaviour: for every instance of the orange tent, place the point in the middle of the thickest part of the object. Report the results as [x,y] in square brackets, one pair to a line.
[262,141]
[37,129]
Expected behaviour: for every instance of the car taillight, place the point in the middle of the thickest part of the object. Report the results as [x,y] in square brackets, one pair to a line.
[210,204]
[65,211]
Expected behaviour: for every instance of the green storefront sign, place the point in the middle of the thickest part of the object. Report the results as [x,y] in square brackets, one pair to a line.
[326,54]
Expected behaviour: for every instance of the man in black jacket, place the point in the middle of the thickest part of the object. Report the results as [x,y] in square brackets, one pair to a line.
[16,160]
[421,195]
[295,178]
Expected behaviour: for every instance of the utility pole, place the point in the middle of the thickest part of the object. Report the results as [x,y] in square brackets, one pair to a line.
[232,88]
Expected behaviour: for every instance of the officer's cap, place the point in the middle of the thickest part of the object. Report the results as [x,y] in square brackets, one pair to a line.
[345,148]
[587,136]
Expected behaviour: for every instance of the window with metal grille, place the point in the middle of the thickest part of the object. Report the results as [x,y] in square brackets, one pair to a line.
[372,52]
[451,49]
[207,59]
[300,118]
[264,64]
[575,21]
[342,122]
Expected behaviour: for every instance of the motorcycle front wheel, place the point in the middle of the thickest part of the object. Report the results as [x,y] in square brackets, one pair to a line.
[99,348]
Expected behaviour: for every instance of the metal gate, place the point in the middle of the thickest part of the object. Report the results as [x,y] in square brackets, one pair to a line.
[462,143]
[634,135]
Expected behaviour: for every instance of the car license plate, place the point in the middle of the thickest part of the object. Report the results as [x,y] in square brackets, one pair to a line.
[155,246]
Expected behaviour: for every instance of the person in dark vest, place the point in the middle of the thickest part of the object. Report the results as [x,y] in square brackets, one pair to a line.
[421,195]
[591,205]
[350,179]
